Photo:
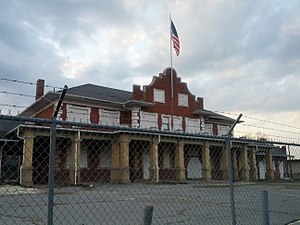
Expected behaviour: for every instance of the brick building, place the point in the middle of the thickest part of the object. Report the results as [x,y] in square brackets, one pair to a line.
[181,141]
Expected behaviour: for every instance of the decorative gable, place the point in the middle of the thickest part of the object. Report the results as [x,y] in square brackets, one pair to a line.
[176,100]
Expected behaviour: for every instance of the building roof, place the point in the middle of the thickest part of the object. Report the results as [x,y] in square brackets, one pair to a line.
[101,93]
[209,115]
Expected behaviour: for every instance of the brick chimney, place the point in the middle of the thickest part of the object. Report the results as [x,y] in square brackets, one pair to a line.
[136,92]
[39,91]
[199,103]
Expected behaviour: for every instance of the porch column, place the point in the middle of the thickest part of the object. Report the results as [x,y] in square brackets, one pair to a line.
[179,161]
[206,165]
[235,164]
[26,167]
[124,159]
[244,164]
[154,169]
[224,165]
[269,165]
[115,163]
[75,161]
[253,168]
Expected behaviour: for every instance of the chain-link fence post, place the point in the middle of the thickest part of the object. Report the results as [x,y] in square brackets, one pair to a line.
[51,179]
[229,171]
[265,207]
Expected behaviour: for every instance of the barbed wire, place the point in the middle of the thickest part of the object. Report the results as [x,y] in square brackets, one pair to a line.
[259,119]
[16,93]
[272,129]
[275,136]
[28,82]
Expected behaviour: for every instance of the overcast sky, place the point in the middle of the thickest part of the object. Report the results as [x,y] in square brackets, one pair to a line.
[241,56]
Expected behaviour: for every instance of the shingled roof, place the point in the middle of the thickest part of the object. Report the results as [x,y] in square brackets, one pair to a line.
[100,93]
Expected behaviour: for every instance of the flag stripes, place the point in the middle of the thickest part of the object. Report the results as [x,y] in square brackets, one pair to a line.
[175,38]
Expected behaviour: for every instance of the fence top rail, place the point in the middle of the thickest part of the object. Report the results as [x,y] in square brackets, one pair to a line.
[76,126]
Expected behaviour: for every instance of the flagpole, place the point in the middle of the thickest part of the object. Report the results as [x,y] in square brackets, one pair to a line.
[171,61]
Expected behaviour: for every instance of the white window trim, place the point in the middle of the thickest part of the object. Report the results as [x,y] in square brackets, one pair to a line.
[162,123]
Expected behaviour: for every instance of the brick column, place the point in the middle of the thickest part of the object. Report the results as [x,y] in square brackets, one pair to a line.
[179,161]
[154,169]
[235,168]
[206,165]
[253,168]
[124,159]
[269,165]
[26,167]
[224,163]
[244,164]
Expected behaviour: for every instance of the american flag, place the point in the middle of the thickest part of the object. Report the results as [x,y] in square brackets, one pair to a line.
[175,38]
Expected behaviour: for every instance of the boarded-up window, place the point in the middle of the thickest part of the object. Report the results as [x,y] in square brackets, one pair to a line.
[110,118]
[223,130]
[78,114]
[159,95]
[105,157]
[192,125]
[183,100]
[177,123]
[208,129]
[148,120]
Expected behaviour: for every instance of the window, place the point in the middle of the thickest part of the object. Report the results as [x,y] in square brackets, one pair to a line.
[148,120]
[167,163]
[166,122]
[208,129]
[192,125]
[105,157]
[177,123]
[110,118]
[223,130]
[83,158]
[183,100]
[159,95]
[78,114]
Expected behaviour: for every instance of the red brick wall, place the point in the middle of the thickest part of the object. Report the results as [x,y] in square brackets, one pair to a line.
[170,107]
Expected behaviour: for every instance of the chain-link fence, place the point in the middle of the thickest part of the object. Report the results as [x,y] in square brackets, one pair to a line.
[110,175]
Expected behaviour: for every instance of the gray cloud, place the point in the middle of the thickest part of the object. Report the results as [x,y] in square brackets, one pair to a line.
[238,55]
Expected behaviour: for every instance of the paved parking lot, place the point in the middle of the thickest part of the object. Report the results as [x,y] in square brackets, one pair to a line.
[192,203]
